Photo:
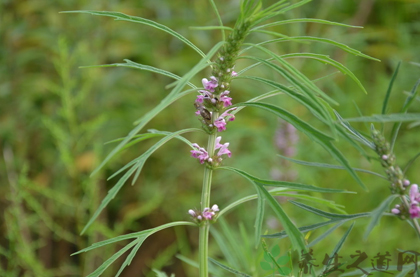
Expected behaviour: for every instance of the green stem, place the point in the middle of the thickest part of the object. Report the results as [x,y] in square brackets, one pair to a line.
[205,203]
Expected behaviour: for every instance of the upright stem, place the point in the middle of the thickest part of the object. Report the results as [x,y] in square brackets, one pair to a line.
[205,203]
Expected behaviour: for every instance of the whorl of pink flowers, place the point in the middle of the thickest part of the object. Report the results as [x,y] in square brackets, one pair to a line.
[206,214]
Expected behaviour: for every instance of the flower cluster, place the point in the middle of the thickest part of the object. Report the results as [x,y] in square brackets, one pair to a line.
[214,98]
[414,204]
[206,214]
[398,183]
[203,156]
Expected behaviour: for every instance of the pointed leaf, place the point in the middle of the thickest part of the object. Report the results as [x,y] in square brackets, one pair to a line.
[324,165]
[339,245]
[388,92]
[397,117]
[228,268]
[108,262]
[283,184]
[137,166]
[326,59]
[136,19]
[305,20]
[377,214]
[324,235]
[296,237]
[327,214]
[312,133]
[131,64]
[342,46]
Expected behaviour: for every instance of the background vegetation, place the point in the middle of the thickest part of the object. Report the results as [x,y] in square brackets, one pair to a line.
[55,121]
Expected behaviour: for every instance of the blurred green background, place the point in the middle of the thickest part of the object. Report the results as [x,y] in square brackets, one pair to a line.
[55,119]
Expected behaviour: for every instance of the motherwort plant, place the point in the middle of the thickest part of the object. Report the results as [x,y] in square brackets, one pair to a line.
[216,109]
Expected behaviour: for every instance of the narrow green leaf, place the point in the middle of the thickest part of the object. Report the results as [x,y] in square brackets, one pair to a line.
[282,10]
[285,193]
[339,245]
[377,214]
[342,46]
[170,98]
[410,162]
[388,92]
[312,133]
[304,229]
[396,117]
[136,19]
[324,165]
[144,233]
[296,237]
[326,59]
[292,75]
[211,28]
[407,104]
[219,18]
[130,256]
[108,262]
[328,215]
[314,107]
[354,132]
[228,268]
[137,166]
[246,199]
[324,235]
[283,184]
[304,20]
[131,64]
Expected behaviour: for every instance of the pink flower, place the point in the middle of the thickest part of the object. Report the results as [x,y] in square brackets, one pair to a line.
[227,115]
[226,101]
[210,84]
[414,194]
[223,148]
[414,211]
[220,124]
[234,74]
[395,211]
[200,98]
[200,153]
[208,214]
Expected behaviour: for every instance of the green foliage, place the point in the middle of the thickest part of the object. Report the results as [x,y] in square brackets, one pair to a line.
[56,118]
